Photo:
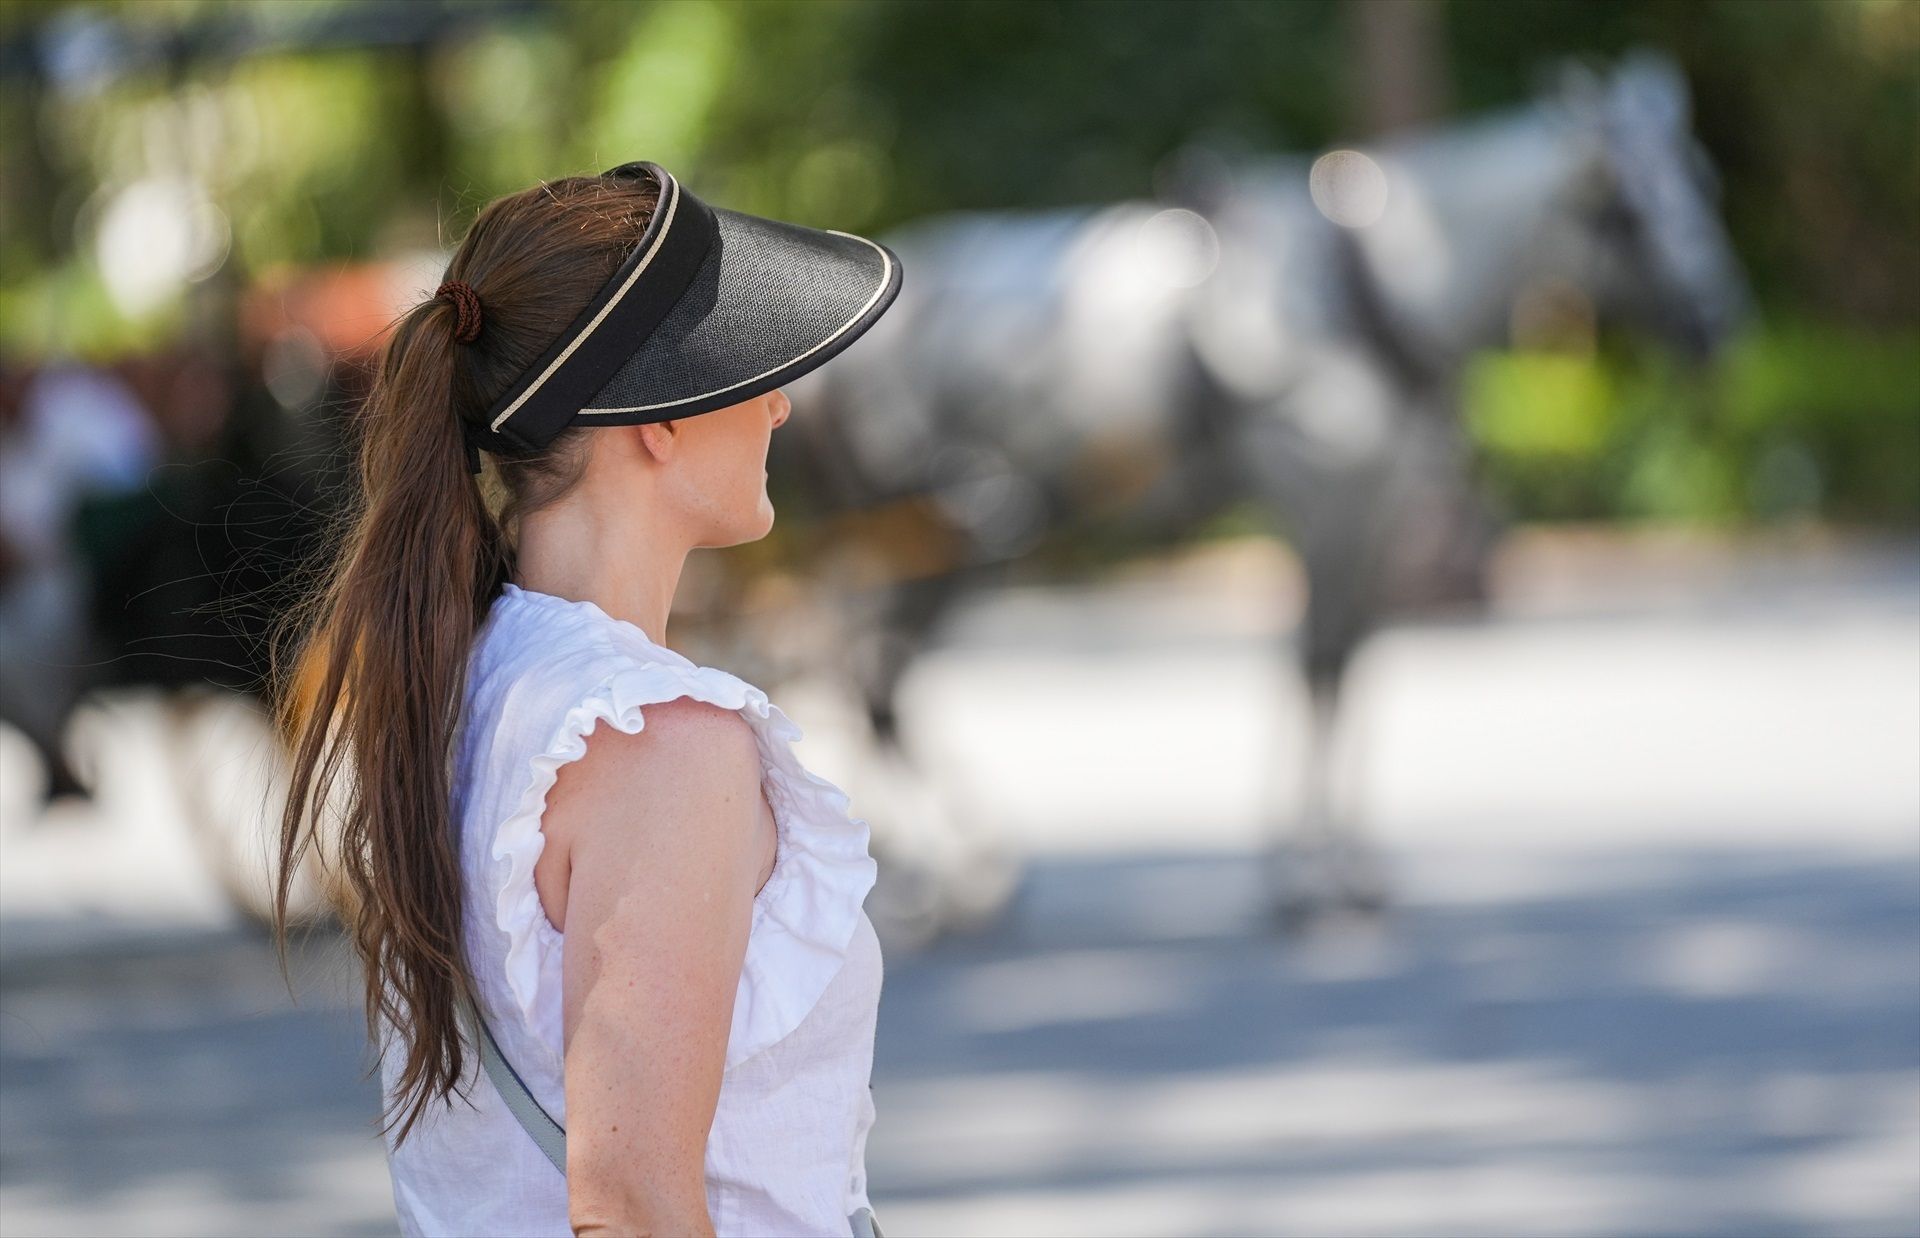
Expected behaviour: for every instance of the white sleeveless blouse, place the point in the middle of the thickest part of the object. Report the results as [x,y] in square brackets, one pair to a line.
[787,1150]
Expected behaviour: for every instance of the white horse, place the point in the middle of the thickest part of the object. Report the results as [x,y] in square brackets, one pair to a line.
[1286,330]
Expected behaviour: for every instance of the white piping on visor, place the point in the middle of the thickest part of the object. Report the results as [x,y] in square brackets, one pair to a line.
[673,202]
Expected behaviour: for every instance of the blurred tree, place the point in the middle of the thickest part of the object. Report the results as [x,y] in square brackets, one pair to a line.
[339,129]
[815,106]
[1401,73]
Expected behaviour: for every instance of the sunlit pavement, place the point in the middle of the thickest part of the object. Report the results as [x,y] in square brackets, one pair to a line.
[1653,967]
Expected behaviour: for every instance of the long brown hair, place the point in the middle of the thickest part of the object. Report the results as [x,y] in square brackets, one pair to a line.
[372,690]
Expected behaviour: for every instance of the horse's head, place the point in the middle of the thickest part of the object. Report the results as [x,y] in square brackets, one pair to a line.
[1661,255]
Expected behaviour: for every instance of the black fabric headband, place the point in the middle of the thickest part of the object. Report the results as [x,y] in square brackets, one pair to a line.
[627,309]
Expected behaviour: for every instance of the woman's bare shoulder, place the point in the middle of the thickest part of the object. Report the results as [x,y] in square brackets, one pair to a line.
[682,730]
[689,757]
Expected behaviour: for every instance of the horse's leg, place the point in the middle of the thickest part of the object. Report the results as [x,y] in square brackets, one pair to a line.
[905,623]
[1298,868]
[1321,861]
[940,869]
[1355,876]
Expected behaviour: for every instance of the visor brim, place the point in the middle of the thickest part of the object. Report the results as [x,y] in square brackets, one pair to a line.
[772,301]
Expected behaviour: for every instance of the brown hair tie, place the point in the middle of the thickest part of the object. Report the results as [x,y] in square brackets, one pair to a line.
[466,306]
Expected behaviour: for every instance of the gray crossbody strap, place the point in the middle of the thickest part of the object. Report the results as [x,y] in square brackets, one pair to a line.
[549,1134]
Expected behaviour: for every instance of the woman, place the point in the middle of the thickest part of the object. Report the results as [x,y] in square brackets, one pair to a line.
[611,852]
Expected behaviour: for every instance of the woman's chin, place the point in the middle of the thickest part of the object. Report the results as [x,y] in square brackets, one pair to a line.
[751,530]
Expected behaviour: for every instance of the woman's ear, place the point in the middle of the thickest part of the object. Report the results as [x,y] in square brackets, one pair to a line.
[658,439]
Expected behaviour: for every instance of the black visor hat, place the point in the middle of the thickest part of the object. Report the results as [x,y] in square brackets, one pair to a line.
[712,307]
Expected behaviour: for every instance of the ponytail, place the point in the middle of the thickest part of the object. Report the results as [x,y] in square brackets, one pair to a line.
[374,693]
[390,643]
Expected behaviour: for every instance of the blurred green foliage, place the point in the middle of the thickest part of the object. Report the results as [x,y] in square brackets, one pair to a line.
[1798,418]
[321,148]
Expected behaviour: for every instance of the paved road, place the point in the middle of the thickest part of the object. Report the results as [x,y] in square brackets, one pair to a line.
[1655,967]
[1662,1044]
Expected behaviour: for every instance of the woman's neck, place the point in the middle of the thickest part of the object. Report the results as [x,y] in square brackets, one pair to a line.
[615,559]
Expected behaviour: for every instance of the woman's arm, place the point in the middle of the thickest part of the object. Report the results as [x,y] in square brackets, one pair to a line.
[660,829]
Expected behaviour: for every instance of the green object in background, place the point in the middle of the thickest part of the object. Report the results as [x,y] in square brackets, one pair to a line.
[1539,404]
[1849,400]
[1542,422]
[1795,419]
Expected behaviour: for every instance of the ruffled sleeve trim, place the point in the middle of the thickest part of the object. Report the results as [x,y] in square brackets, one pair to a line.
[804,917]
